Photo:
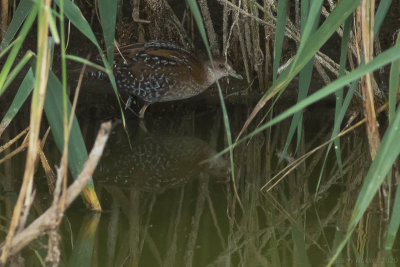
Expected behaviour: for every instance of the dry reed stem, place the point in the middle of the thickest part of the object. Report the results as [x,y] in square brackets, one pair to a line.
[50,176]
[46,221]
[16,151]
[268,32]
[244,54]
[244,12]
[208,23]
[42,71]
[15,139]
[258,56]
[225,16]
[227,37]
[246,34]
[365,16]
[4,17]
[365,24]
[182,33]
[322,73]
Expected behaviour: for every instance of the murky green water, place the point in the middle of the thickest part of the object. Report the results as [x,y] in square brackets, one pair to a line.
[164,205]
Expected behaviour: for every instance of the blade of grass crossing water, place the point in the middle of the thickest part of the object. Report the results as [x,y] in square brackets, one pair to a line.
[23,10]
[108,16]
[197,16]
[77,151]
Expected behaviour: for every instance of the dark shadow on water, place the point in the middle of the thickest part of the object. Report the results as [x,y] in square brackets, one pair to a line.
[155,163]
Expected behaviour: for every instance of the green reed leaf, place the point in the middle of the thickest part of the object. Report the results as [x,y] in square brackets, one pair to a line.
[23,10]
[108,16]
[22,94]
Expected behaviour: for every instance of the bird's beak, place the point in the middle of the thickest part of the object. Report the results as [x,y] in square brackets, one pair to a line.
[236,75]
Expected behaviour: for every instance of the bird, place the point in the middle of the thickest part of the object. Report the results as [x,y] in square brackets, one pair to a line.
[158,162]
[159,71]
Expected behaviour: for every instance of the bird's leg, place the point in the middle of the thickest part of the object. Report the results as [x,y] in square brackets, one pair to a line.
[143,110]
[128,103]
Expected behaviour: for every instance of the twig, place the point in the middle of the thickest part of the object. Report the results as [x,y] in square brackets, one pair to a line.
[14,152]
[15,139]
[46,221]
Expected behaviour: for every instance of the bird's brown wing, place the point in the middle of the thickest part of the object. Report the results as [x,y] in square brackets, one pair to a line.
[163,56]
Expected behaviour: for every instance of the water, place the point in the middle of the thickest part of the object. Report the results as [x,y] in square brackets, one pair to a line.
[166,205]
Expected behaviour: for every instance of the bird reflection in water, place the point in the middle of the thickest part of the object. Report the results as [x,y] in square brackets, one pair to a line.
[157,163]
